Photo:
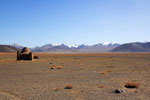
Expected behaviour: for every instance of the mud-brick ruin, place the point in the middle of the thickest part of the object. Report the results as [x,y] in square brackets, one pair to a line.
[25,54]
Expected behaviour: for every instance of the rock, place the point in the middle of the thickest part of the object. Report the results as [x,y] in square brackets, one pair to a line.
[50,63]
[52,67]
[36,57]
[118,91]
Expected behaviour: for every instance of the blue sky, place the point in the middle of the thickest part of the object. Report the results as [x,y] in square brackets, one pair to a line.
[38,22]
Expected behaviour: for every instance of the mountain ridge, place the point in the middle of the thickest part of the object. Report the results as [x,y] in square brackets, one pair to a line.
[8,48]
[75,48]
[96,48]
[133,47]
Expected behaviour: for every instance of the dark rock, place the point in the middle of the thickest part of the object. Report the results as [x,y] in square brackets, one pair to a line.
[36,57]
[118,91]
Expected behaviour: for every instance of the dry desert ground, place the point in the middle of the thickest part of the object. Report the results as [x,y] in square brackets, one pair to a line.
[75,77]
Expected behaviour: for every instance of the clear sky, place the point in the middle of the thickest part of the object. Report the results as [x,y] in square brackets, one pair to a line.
[38,22]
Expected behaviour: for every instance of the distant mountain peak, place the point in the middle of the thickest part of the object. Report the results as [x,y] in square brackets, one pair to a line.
[57,44]
[146,41]
[73,46]
[17,46]
[100,47]
[109,43]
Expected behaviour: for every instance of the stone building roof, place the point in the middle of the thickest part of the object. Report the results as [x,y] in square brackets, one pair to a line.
[25,50]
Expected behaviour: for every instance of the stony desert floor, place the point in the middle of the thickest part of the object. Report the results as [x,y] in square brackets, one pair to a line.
[91,76]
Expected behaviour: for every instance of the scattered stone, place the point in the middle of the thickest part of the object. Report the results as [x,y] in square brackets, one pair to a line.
[68,86]
[55,89]
[36,57]
[132,85]
[52,67]
[118,91]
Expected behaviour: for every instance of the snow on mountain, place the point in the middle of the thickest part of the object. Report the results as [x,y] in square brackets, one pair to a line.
[109,43]
[17,46]
[84,45]
[78,48]
[57,44]
[14,44]
[73,46]
[146,41]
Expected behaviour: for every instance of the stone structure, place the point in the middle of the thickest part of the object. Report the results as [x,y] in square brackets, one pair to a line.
[25,54]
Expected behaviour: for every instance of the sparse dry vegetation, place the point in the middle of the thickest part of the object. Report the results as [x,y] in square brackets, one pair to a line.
[109,71]
[68,86]
[55,89]
[103,73]
[132,85]
[101,86]
[59,67]
[53,66]
[91,76]
[82,67]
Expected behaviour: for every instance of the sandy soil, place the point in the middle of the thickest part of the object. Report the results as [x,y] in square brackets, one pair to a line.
[93,77]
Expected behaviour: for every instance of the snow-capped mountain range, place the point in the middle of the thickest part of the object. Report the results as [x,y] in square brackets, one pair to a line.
[76,46]
[96,48]
[59,47]
[109,43]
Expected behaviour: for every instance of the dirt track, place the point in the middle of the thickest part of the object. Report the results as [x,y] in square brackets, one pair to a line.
[93,77]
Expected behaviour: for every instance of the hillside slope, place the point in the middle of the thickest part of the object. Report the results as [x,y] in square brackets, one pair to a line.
[7,48]
[133,47]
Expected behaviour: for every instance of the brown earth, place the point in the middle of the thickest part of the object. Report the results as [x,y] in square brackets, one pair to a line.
[91,76]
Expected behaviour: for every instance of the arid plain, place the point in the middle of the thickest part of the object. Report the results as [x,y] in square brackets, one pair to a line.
[89,76]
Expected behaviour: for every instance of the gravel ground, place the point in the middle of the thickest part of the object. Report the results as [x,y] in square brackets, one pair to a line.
[92,77]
